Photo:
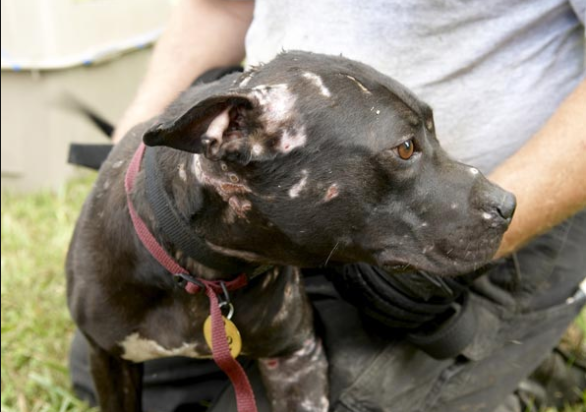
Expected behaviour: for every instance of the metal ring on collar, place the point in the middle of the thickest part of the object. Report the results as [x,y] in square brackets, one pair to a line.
[230,309]
[183,278]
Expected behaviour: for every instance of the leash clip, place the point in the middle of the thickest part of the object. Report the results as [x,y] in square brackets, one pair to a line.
[225,302]
[183,278]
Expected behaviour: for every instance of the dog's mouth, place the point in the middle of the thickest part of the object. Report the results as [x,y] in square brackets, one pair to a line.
[451,261]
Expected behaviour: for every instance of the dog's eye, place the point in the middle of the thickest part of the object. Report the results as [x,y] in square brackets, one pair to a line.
[405,150]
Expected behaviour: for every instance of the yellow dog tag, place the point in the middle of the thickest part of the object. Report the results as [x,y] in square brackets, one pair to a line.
[232,334]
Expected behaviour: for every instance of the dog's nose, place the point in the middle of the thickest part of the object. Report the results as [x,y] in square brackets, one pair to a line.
[507,205]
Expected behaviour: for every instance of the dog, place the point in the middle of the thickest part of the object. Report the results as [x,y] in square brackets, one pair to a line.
[305,161]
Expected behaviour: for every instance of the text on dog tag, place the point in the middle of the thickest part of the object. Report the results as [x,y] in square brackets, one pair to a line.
[232,334]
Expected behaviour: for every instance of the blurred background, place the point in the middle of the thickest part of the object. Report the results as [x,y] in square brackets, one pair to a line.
[95,50]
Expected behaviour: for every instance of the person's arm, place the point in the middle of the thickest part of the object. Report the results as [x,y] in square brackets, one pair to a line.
[548,174]
[200,35]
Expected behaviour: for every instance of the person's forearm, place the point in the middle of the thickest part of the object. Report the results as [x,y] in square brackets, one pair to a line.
[200,35]
[548,174]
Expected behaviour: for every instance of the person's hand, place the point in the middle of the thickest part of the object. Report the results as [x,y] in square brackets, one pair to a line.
[429,310]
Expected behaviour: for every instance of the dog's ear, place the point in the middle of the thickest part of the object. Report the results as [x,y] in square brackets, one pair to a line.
[215,127]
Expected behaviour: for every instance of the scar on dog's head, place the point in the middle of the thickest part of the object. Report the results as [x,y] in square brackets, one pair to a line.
[234,126]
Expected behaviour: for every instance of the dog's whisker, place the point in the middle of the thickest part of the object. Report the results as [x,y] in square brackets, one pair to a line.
[331,253]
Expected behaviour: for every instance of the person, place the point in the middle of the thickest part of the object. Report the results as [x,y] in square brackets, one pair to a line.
[506,82]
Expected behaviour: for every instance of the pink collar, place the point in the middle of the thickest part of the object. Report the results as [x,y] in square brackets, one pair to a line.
[221,352]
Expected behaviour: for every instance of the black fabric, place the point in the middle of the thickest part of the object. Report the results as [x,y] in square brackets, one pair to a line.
[104,126]
[435,312]
[88,155]
[373,290]
[448,338]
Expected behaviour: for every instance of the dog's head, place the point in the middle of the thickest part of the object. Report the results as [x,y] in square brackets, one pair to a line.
[315,158]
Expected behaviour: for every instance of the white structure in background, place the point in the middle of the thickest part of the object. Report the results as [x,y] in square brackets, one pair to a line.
[96,50]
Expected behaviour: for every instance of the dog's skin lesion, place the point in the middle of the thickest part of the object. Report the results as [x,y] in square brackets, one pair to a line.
[332,192]
[241,254]
[296,189]
[228,185]
[360,85]
[277,104]
[290,139]
[297,382]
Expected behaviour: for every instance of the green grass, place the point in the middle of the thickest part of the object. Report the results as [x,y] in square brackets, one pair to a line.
[36,327]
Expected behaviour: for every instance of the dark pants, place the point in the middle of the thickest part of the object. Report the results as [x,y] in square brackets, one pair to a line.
[522,307]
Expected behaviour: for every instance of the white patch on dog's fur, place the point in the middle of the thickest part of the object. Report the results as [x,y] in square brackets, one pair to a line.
[118,164]
[219,125]
[277,103]
[286,304]
[318,82]
[427,249]
[196,168]
[298,187]
[247,76]
[304,371]
[137,349]
[181,171]
[269,277]
[241,254]
[257,149]
[486,216]
[360,85]
[474,171]
[322,405]
[454,206]
[290,141]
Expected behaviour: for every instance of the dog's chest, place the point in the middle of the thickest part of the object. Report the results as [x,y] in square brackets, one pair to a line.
[267,315]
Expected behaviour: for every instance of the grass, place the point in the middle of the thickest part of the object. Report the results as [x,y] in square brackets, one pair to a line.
[36,327]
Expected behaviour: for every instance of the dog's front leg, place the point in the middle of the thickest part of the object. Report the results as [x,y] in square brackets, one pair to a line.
[298,382]
[118,382]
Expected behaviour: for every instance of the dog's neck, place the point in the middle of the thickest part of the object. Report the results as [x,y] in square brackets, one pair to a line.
[187,188]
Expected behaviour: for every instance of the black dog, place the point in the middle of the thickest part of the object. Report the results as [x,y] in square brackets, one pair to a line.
[307,160]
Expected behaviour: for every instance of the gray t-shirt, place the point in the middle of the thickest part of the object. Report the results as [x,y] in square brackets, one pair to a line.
[493,71]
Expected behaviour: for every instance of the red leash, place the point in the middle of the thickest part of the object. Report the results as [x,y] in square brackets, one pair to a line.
[221,351]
